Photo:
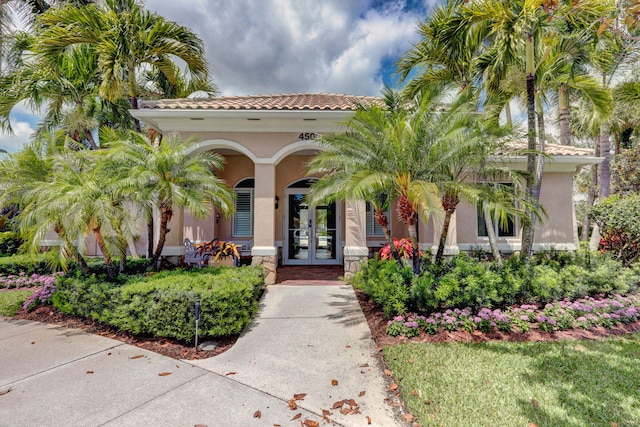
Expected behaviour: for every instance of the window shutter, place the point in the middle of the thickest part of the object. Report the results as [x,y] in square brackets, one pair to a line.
[243,218]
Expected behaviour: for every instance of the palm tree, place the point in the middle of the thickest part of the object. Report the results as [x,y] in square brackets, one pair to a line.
[127,38]
[78,199]
[164,177]
[512,32]
[401,154]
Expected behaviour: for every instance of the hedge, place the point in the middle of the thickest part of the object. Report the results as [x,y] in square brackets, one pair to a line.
[467,283]
[163,304]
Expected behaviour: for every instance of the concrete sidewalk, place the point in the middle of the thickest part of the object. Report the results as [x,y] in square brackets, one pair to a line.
[310,340]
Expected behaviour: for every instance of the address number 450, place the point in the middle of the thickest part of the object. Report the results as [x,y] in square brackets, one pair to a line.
[306,136]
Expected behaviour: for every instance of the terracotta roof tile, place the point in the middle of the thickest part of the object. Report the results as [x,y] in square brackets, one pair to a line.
[550,149]
[295,101]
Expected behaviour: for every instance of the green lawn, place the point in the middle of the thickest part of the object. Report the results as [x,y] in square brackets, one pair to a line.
[564,383]
[11,301]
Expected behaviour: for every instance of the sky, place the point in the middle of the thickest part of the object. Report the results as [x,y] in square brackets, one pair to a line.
[259,47]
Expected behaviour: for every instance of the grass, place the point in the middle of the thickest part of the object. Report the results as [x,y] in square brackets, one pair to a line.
[564,383]
[11,301]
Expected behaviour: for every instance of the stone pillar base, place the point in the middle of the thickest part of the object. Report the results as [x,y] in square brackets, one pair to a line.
[354,256]
[268,263]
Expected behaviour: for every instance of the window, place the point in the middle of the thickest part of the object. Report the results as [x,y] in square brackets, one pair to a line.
[243,217]
[502,230]
[373,228]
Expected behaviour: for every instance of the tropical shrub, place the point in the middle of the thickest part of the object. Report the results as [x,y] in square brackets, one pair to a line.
[617,218]
[466,283]
[10,243]
[163,304]
[386,284]
[403,246]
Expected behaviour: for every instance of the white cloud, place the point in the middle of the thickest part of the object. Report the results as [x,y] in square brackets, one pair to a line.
[21,135]
[284,46]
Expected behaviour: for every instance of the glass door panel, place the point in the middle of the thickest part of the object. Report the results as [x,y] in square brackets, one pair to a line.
[325,232]
[298,228]
[312,232]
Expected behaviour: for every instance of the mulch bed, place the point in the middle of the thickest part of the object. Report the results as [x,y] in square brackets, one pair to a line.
[378,325]
[165,346]
[375,319]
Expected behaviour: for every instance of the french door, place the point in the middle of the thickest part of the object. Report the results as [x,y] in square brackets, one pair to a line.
[311,231]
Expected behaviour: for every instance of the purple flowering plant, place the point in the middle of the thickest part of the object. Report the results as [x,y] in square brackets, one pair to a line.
[23,281]
[582,313]
[40,297]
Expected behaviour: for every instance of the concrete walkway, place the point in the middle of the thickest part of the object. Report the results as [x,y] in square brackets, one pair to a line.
[310,340]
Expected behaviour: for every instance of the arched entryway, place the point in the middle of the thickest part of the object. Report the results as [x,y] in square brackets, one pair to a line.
[312,234]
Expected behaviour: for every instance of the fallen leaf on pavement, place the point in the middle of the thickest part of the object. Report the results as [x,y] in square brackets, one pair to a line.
[388,372]
[293,405]
[348,346]
[200,425]
[364,365]
[408,417]
[393,386]
[338,404]
[362,393]
[310,423]
[257,414]
[3,392]
[325,413]
[137,356]
[299,396]
[296,416]
[368,419]
[229,373]
[89,372]
[33,342]
[164,374]
[334,382]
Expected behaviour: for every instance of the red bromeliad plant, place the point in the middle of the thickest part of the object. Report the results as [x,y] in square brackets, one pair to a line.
[403,246]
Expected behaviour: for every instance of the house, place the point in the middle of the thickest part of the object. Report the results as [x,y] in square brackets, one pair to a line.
[267,140]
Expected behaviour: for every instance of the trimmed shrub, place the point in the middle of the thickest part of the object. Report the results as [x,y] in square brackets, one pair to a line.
[26,264]
[163,304]
[617,218]
[10,243]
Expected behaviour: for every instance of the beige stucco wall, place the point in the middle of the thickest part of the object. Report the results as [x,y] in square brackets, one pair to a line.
[556,195]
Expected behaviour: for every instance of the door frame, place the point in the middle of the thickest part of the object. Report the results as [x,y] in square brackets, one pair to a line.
[285,230]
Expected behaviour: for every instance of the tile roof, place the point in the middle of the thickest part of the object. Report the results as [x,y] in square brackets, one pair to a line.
[550,149]
[294,101]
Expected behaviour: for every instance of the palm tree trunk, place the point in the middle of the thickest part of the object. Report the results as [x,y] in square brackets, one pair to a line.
[591,195]
[507,114]
[564,115]
[165,217]
[605,166]
[449,204]
[491,234]
[108,261]
[413,235]
[132,247]
[91,139]
[528,229]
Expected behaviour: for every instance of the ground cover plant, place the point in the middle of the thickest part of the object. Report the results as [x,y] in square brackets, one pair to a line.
[561,383]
